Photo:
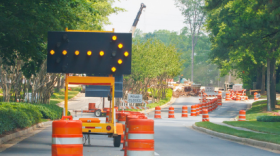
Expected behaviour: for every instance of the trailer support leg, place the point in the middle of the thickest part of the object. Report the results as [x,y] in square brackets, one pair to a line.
[88,140]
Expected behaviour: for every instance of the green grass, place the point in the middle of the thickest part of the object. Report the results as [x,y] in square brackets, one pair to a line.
[266,127]
[44,120]
[58,97]
[244,134]
[258,109]
[160,103]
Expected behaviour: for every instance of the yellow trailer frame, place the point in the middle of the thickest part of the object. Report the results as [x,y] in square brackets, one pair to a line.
[96,127]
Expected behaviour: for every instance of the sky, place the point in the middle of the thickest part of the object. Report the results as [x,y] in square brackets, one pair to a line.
[158,15]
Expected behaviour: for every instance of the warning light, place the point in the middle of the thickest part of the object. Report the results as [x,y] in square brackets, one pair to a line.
[126,54]
[114,38]
[52,52]
[101,53]
[113,69]
[120,46]
[64,52]
[89,53]
[77,52]
[120,61]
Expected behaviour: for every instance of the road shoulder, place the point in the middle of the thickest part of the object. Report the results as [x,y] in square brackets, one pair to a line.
[10,140]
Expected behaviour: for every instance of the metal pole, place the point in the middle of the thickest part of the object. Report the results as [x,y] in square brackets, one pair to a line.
[66,95]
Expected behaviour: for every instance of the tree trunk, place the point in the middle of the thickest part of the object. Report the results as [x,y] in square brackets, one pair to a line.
[268,85]
[273,83]
[192,57]
[58,83]
[263,80]
[259,79]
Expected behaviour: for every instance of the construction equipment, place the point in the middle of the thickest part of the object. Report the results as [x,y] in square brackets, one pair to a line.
[133,28]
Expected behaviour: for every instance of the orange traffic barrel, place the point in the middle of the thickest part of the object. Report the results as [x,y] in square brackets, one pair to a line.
[193,110]
[205,116]
[107,116]
[185,111]
[157,112]
[197,109]
[67,137]
[242,115]
[219,100]
[220,93]
[121,119]
[140,137]
[200,108]
[128,117]
[171,112]
[91,106]
[228,97]
[237,97]
[255,96]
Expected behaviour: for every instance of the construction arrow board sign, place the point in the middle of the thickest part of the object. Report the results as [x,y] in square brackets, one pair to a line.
[89,52]
[134,98]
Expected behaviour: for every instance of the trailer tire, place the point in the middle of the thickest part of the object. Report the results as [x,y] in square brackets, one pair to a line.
[98,113]
[117,141]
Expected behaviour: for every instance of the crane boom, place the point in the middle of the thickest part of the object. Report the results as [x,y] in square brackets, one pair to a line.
[133,28]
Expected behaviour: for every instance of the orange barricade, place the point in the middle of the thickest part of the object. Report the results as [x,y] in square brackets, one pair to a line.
[128,117]
[205,116]
[200,108]
[228,97]
[67,137]
[193,110]
[171,112]
[220,93]
[157,113]
[219,100]
[255,96]
[238,97]
[242,115]
[121,119]
[185,111]
[197,109]
[140,137]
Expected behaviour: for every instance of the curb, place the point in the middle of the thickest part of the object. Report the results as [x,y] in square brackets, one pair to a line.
[246,141]
[23,132]
[172,100]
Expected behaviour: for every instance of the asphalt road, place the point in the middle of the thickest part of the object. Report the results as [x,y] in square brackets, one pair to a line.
[173,137]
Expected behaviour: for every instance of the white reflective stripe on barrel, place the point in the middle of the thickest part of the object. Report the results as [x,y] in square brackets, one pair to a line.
[127,130]
[126,144]
[184,113]
[67,141]
[140,153]
[140,136]
[122,122]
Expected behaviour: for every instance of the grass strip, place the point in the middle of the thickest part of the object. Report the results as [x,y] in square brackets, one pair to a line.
[266,127]
[258,109]
[240,133]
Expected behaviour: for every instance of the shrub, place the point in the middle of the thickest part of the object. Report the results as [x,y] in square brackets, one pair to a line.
[268,118]
[18,115]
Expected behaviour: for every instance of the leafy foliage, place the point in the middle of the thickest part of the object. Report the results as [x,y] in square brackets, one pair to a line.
[268,118]
[21,115]
[24,26]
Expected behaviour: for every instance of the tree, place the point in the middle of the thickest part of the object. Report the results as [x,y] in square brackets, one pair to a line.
[246,31]
[195,17]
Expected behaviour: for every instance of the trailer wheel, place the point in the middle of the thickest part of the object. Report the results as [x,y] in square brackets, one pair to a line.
[98,113]
[117,141]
